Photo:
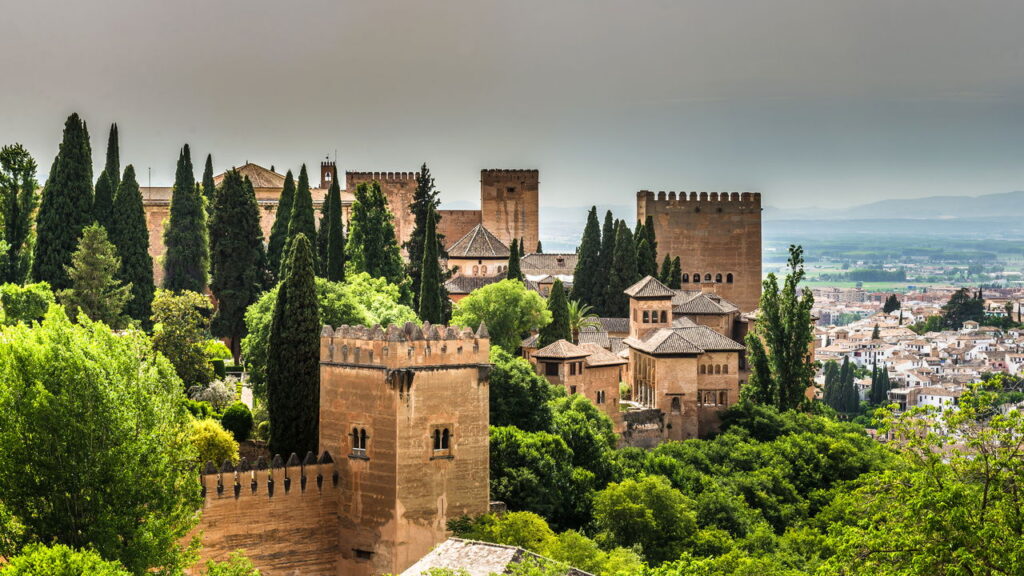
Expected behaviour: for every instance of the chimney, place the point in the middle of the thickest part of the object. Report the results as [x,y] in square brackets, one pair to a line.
[328,172]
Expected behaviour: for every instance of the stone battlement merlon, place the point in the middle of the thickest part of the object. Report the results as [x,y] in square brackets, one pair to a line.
[509,172]
[404,346]
[273,479]
[384,176]
[747,198]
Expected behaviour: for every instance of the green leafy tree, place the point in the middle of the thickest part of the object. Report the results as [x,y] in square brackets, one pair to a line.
[293,362]
[279,230]
[188,252]
[962,307]
[892,303]
[514,271]
[778,347]
[18,200]
[518,395]
[587,279]
[622,274]
[181,323]
[103,200]
[431,307]
[237,419]
[209,187]
[588,432]
[360,300]
[334,235]
[60,560]
[372,247]
[95,290]
[580,316]
[559,328]
[66,206]
[129,234]
[237,564]
[237,259]
[93,449]
[648,513]
[301,220]
[425,201]
[507,308]
[27,303]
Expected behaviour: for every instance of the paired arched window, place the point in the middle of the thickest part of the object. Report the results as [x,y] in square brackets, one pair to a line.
[483,269]
[442,439]
[359,441]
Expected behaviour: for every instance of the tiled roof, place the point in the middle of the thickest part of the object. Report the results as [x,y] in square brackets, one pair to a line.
[478,243]
[708,339]
[561,349]
[649,287]
[618,345]
[601,357]
[477,559]
[553,264]
[683,322]
[701,303]
[258,175]
[685,340]
[466,284]
[594,335]
[530,341]
[615,325]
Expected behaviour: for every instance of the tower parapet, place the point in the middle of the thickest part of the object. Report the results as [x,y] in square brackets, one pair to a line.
[409,345]
[738,200]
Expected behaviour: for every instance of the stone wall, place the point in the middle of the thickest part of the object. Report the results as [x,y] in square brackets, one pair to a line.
[509,201]
[455,224]
[716,233]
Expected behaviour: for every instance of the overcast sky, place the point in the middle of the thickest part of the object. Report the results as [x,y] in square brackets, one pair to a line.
[817,102]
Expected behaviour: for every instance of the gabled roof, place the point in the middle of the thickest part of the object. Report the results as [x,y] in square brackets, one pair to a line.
[562,349]
[600,356]
[683,340]
[478,243]
[615,325]
[649,287]
[553,264]
[702,303]
[258,175]
[466,284]
[594,335]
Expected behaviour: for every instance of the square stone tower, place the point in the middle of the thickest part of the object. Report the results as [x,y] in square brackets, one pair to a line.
[405,412]
[716,236]
[398,188]
[509,202]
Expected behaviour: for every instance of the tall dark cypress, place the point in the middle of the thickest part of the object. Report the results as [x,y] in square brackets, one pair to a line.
[188,254]
[607,252]
[279,231]
[431,306]
[209,187]
[66,206]
[587,279]
[665,275]
[675,279]
[514,271]
[237,259]
[130,236]
[334,258]
[18,201]
[293,356]
[646,254]
[558,305]
[103,200]
[302,220]
[113,164]
[622,274]
[372,246]
[425,201]
[652,237]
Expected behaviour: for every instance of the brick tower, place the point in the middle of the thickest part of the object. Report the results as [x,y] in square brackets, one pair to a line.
[509,203]
[405,411]
[398,188]
[717,237]
[328,172]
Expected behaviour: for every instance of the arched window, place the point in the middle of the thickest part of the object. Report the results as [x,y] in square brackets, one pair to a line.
[686,277]
[728,278]
[703,369]
[476,270]
[718,368]
[664,316]
[725,368]
[647,317]
[718,278]
[359,442]
[676,407]
[437,439]
[445,436]
[362,438]
[696,277]
[707,277]
[483,269]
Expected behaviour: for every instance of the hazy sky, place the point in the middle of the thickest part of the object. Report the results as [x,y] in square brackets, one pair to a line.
[811,102]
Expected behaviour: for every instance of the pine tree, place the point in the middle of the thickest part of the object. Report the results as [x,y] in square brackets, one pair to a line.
[587,277]
[279,231]
[293,359]
[188,253]
[559,328]
[665,275]
[103,200]
[431,307]
[66,206]
[18,201]
[372,247]
[334,257]
[113,164]
[302,219]
[130,236]
[237,259]
[209,187]
[425,201]
[95,290]
[514,271]
[623,273]
[675,280]
[607,253]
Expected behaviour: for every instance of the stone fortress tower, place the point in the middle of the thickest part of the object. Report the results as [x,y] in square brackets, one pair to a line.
[509,202]
[717,237]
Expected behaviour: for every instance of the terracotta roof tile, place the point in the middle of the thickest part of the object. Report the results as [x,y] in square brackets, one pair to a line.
[478,243]
[258,175]
[649,287]
[561,349]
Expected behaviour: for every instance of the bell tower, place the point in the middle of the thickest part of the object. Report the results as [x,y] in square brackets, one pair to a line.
[328,173]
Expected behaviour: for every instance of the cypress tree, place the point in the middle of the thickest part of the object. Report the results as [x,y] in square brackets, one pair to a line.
[237,259]
[652,239]
[622,274]
[607,253]
[559,328]
[130,236]
[587,276]
[514,271]
[113,163]
[675,279]
[18,200]
[875,334]
[293,358]
[646,255]
[540,247]
[431,308]
[188,253]
[665,275]
[66,206]
[321,234]
[279,231]
[425,202]
[302,219]
[372,247]
[209,188]
[103,200]
[334,267]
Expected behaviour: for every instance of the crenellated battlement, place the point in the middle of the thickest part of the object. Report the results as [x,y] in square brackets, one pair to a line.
[273,479]
[501,173]
[383,176]
[748,198]
[404,346]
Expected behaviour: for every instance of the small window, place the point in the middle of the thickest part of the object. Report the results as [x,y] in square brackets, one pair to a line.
[483,269]
[442,439]
[703,369]
[359,442]
[676,406]
[476,270]
[718,278]
[723,398]
[647,317]
[600,396]
[664,316]
[327,176]
[686,278]
[728,278]
[707,277]
[572,369]
[725,368]
[718,368]
[572,389]
[363,554]
[511,189]
[551,369]
[696,277]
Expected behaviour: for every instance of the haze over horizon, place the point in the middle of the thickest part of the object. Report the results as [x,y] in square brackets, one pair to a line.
[825,104]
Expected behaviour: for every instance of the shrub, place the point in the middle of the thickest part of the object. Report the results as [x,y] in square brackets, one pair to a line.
[236,565]
[60,560]
[213,442]
[220,393]
[25,303]
[237,419]
[198,409]
[216,349]
[219,369]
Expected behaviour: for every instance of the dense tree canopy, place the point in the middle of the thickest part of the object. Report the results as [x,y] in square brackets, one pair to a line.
[509,310]
[181,325]
[60,560]
[332,230]
[431,293]
[372,246]
[518,395]
[622,273]
[962,307]
[425,201]
[302,220]
[18,200]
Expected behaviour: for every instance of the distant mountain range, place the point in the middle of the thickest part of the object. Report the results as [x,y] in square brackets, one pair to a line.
[1007,204]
